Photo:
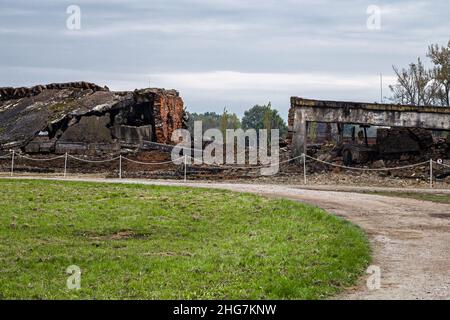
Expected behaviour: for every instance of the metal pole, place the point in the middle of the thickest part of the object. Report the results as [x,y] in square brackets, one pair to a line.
[185,165]
[381,87]
[12,162]
[304,169]
[431,173]
[120,167]
[65,165]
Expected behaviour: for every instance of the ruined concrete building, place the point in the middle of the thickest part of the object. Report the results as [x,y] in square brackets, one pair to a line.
[400,129]
[84,118]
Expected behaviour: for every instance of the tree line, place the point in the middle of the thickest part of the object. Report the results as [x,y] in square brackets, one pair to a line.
[257,117]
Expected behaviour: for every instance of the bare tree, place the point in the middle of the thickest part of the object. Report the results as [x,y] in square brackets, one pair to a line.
[440,56]
[415,85]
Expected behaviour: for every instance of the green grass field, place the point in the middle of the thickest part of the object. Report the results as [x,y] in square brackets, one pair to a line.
[150,242]
[440,198]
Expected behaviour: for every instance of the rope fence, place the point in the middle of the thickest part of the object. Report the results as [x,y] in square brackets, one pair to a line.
[151,163]
[37,159]
[93,161]
[369,169]
[230,166]
[442,164]
[430,163]
[14,156]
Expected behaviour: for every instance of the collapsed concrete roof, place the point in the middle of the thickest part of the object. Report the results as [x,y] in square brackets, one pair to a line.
[26,113]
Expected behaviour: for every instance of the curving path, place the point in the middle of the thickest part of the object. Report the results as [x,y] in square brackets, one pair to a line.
[410,238]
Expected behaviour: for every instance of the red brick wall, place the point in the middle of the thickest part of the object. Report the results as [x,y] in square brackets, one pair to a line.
[169,112]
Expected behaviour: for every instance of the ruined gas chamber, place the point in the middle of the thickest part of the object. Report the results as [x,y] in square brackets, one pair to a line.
[87,119]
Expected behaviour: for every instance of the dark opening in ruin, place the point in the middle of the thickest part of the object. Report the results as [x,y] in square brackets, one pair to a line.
[141,115]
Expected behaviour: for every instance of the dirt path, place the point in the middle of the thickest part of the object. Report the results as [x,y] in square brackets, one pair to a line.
[410,238]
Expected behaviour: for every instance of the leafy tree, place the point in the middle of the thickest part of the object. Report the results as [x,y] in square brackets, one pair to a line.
[264,117]
[267,119]
[233,121]
[213,120]
[224,122]
[210,120]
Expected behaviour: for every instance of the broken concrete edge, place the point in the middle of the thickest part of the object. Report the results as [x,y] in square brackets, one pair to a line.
[9,93]
[303,102]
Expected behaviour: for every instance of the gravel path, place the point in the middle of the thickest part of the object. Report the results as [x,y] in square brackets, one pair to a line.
[410,238]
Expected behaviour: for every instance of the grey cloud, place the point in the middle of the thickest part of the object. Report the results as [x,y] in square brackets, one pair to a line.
[128,42]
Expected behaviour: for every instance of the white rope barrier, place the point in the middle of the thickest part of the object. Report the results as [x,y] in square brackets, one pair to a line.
[151,163]
[185,167]
[431,173]
[225,166]
[66,156]
[442,164]
[318,160]
[369,169]
[120,167]
[93,161]
[305,182]
[177,147]
[66,159]
[231,166]
[41,159]
[12,162]
[289,160]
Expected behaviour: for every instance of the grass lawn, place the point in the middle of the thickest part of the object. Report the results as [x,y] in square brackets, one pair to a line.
[440,198]
[151,242]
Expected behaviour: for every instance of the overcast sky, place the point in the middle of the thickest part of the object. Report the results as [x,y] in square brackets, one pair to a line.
[223,53]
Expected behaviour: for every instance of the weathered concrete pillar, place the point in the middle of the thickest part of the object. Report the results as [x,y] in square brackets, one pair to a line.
[299,138]
[336,134]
